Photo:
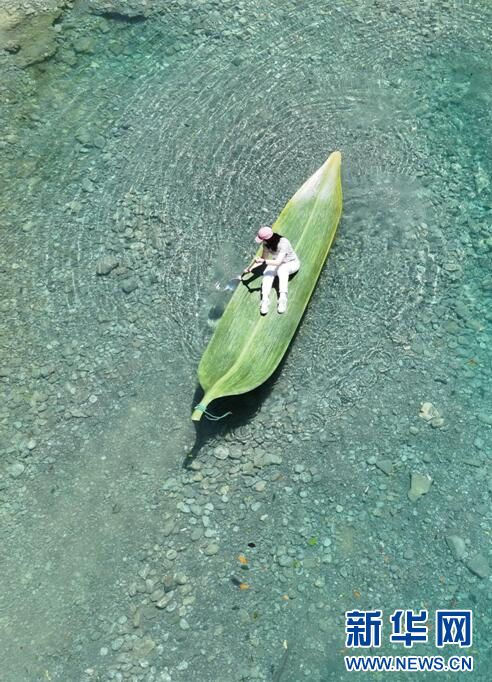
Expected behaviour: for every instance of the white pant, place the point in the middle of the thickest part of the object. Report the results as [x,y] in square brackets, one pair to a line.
[281,271]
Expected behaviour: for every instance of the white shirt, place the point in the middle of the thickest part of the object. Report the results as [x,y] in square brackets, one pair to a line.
[284,251]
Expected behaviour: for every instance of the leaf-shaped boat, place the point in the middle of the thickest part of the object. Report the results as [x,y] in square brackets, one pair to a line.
[246,347]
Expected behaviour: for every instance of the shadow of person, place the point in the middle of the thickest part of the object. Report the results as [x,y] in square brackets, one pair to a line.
[255,273]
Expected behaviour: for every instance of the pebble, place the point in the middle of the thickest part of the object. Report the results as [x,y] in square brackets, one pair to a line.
[479,565]
[235,452]
[196,533]
[385,465]
[117,643]
[168,528]
[420,485]
[43,372]
[260,486]
[221,452]
[87,185]
[456,545]
[211,549]
[181,578]
[105,265]
[129,285]
[143,647]
[267,459]
[428,412]
[170,484]
[163,601]
[16,469]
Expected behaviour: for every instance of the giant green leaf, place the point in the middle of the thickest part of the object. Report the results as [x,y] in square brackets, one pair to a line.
[246,347]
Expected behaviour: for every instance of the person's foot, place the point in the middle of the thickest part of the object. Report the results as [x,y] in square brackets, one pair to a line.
[264,306]
[282,303]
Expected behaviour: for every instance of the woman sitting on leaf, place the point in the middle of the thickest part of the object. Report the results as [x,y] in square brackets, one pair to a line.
[280,260]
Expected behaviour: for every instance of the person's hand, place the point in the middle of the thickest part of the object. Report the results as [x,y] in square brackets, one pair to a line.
[259,260]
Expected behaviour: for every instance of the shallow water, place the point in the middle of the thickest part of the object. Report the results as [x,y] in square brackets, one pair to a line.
[164,143]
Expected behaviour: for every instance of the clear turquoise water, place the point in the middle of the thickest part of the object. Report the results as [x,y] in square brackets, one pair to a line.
[165,146]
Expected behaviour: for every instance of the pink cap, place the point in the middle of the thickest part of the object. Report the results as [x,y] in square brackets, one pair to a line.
[264,233]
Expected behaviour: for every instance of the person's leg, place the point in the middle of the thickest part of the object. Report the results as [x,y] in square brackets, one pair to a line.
[266,285]
[284,271]
[283,278]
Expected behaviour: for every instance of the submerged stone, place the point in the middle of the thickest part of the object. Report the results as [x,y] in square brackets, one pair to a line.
[106,265]
[129,285]
[479,565]
[420,485]
[428,412]
[456,545]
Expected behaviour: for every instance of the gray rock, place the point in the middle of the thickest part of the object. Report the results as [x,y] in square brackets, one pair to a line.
[84,45]
[12,47]
[221,452]
[106,264]
[143,647]
[385,465]
[181,578]
[16,469]
[117,643]
[211,549]
[428,412]
[479,565]
[456,545]
[43,372]
[84,137]
[267,459]
[87,185]
[420,485]
[196,533]
[170,484]
[129,285]
[168,528]
[169,583]
[235,452]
